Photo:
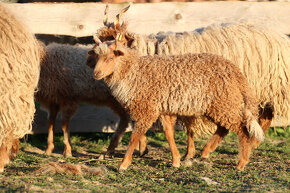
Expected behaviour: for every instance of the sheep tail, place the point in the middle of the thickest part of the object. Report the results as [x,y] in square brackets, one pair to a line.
[253,126]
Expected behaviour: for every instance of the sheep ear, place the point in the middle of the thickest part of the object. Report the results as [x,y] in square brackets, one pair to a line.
[96,39]
[91,52]
[118,53]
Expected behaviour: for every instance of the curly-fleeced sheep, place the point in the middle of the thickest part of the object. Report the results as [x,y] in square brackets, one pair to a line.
[64,83]
[190,85]
[263,56]
[19,71]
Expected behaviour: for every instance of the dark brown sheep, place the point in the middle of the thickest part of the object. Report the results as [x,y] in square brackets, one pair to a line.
[64,83]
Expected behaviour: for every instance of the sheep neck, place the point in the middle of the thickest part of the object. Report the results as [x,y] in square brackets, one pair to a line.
[124,74]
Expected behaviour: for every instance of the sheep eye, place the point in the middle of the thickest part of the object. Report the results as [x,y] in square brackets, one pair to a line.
[111,59]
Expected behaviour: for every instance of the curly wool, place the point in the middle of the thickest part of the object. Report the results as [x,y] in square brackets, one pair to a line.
[190,85]
[263,55]
[65,80]
[19,74]
[102,49]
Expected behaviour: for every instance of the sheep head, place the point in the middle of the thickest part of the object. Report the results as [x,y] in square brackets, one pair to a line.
[111,31]
[105,54]
[100,48]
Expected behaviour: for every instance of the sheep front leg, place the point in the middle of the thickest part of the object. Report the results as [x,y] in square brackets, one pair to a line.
[14,148]
[139,130]
[66,116]
[127,160]
[168,123]
[190,145]
[4,157]
[220,133]
[53,110]
[8,150]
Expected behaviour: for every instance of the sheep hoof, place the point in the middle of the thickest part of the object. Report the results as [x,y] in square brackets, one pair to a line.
[240,167]
[204,159]
[124,165]
[242,164]
[47,152]
[122,168]
[142,153]
[67,155]
[176,165]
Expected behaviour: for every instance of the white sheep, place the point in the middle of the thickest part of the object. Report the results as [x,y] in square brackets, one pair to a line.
[19,73]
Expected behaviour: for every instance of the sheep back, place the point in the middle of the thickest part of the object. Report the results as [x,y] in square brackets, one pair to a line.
[65,79]
[263,55]
[187,85]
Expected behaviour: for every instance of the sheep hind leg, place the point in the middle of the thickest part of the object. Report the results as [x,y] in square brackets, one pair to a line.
[66,116]
[190,153]
[188,158]
[190,145]
[53,110]
[168,123]
[244,149]
[265,119]
[118,135]
[116,138]
[218,136]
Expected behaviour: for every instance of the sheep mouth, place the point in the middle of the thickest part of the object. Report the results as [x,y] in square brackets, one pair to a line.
[98,76]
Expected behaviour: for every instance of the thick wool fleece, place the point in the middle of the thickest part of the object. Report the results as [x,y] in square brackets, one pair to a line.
[191,85]
[262,54]
[66,80]
[19,73]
